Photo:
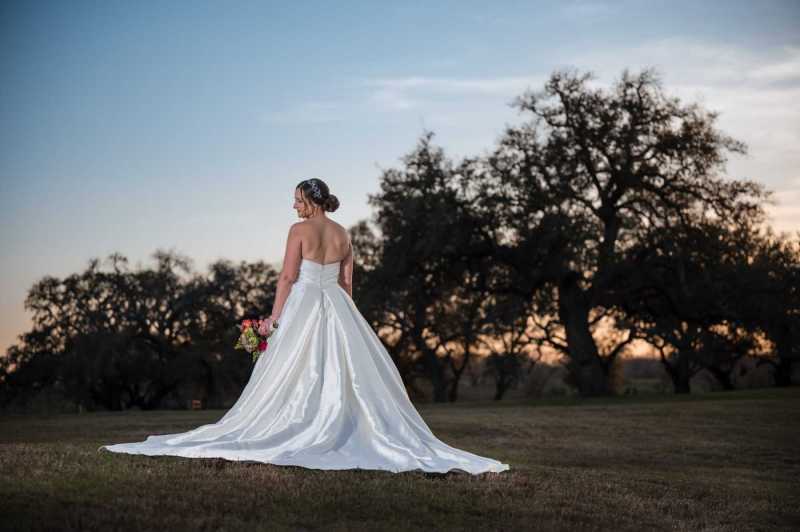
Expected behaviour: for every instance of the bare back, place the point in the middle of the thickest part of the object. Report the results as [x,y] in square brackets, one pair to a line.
[324,241]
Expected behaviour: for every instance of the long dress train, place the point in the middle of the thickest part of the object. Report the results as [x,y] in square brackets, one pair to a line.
[324,395]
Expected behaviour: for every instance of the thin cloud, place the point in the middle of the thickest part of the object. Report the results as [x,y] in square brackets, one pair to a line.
[781,71]
[494,86]
[690,61]
[392,94]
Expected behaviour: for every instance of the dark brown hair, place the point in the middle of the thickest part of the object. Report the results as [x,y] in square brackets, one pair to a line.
[317,191]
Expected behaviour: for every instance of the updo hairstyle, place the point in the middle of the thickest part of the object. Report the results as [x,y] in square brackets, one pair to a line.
[317,191]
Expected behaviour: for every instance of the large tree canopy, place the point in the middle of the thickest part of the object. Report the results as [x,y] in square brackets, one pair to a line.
[594,174]
[118,337]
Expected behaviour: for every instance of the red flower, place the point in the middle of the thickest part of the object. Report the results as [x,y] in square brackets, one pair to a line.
[262,345]
[246,324]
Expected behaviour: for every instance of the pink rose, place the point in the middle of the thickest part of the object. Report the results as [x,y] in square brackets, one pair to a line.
[262,346]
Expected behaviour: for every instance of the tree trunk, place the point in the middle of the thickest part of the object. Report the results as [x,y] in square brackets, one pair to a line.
[452,396]
[678,372]
[783,373]
[573,310]
[457,372]
[210,384]
[436,373]
[783,368]
[681,376]
[433,364]
[723,377]
[501,386]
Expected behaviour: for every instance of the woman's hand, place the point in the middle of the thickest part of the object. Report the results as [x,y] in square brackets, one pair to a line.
[265,325]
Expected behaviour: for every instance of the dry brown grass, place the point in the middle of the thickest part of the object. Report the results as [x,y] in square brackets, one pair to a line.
[723,461]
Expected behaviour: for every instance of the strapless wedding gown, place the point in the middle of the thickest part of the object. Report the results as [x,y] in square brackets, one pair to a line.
[324,395]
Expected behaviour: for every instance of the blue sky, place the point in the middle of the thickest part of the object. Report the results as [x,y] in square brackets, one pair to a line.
[185,125]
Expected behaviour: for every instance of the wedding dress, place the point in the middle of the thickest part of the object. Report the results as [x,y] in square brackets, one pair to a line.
[325,394]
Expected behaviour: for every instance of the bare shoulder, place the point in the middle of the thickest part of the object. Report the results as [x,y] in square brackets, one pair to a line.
[297,229]
[301,223]
[342,229]
[343,232]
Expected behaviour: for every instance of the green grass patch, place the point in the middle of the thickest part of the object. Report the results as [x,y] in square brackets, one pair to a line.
[715,461]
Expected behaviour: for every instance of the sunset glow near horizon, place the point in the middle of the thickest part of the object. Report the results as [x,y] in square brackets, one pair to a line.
[131,127]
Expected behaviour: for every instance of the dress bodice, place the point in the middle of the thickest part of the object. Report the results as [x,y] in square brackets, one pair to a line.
[317,273]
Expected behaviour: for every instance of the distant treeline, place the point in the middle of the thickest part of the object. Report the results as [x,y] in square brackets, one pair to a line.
[604,220]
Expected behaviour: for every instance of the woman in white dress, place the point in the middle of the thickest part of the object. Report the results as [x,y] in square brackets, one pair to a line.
[325,394]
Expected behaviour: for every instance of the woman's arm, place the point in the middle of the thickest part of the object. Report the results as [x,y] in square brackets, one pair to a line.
[289,271]
[346,271]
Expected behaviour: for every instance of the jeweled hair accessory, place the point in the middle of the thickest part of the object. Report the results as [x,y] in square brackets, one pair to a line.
[317,193]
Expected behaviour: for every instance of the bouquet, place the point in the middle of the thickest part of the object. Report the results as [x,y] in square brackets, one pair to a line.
[253,335]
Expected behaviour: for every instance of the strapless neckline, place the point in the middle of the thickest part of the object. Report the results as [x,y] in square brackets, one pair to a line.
[321,264]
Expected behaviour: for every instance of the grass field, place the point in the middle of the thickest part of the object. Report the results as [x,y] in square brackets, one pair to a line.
[719,461]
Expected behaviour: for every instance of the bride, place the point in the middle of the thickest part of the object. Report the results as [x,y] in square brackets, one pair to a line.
[325,394]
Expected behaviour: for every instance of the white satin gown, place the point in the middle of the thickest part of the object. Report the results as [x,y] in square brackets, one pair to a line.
[324,395]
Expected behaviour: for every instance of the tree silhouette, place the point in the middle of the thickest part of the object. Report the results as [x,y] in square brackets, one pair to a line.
[119,338]
[769,299]
[414,213]
[593,174]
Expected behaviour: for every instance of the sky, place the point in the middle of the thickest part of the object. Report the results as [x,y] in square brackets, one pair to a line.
[185,125]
